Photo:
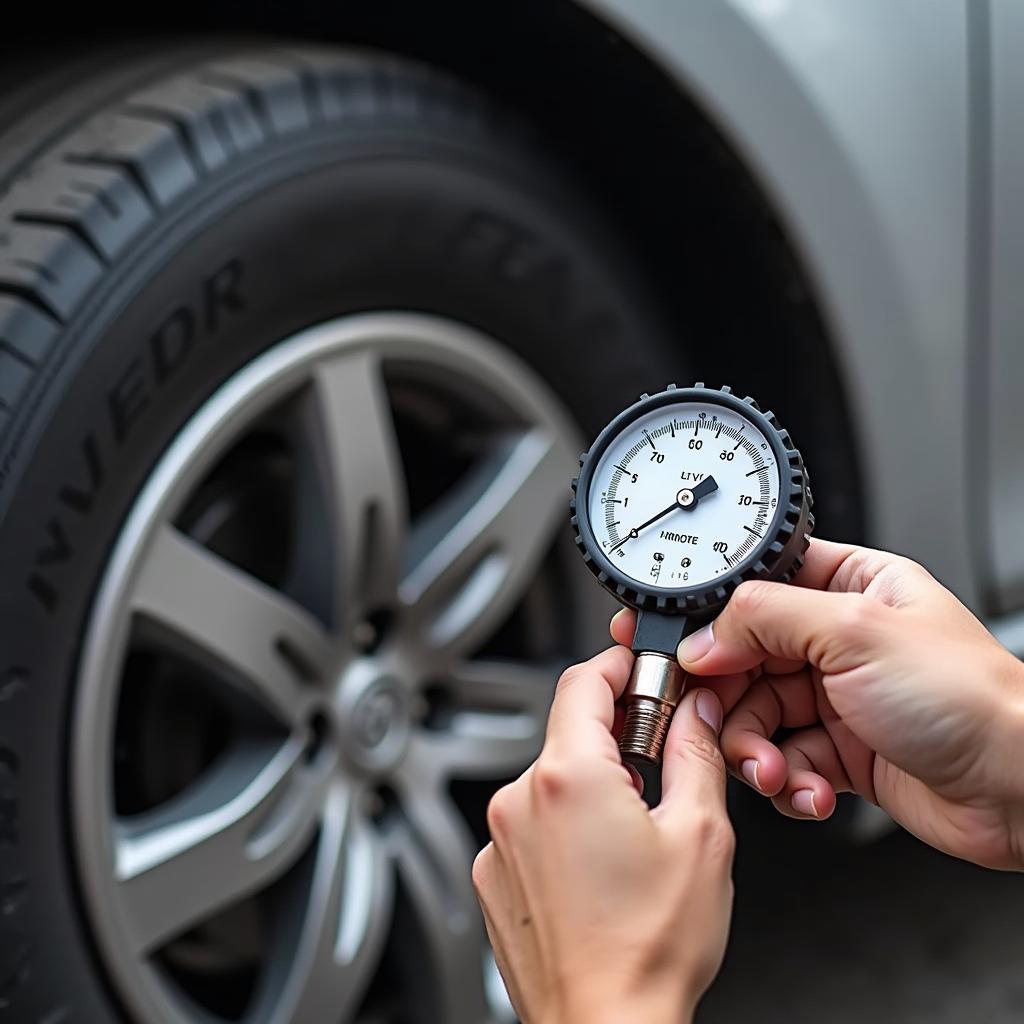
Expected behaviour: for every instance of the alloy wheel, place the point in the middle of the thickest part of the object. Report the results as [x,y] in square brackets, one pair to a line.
[306,636]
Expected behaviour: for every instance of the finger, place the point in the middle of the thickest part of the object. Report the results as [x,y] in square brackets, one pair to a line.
[583,711]
[772,701]
[781,666]
[731,688]
[636,780]
[488,876]
[502,962]
[491,878]
[623,626]
[835,632]
[618,720]
[815,775]
[821,562]
[747,734]
[693,769]
[507,808]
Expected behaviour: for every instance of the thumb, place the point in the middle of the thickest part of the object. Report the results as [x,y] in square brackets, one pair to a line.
[692,769]
[832,631]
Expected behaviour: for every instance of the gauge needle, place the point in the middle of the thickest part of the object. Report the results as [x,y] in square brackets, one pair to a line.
[686,499]
[702,490]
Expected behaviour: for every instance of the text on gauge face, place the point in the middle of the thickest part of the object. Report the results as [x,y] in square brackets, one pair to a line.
[692,474]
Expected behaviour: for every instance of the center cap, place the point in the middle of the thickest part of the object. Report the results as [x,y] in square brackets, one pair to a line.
[375,715]
[374,719]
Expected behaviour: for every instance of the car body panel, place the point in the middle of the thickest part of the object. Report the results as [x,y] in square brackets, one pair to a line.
[855,120]
[1005,364]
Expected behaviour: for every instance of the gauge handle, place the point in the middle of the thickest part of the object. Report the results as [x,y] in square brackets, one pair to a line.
[658,633]
[654,689]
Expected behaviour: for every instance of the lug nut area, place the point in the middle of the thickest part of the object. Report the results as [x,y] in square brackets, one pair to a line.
[319,734]
[369,632]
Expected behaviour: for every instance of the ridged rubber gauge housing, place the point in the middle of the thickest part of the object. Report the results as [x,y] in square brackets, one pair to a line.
[711,458]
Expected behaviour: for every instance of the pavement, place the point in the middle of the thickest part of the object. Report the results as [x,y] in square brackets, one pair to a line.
[826,931]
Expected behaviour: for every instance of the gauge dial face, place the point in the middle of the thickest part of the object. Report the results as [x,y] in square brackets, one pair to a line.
[684,495]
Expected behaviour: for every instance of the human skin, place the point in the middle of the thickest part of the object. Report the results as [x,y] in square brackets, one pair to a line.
[892,689]
[599,909]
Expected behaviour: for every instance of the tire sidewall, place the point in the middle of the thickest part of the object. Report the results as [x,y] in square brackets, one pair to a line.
[333,225]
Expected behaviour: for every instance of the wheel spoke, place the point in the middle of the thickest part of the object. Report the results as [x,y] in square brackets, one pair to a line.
[471,557]
[230,835]
[410,514]
[434,851]
[366,484]
[493,721]
[345,922]
[215,609]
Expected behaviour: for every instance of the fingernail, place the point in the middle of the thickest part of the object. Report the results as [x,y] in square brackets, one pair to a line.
[748,769]
[696,645]
[709,709]
[803,803]
[620,614]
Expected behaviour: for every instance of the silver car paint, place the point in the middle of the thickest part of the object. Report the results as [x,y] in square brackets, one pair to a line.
[1005,302]
[861,122]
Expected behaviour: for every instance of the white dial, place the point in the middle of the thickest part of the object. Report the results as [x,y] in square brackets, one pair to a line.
[684,495]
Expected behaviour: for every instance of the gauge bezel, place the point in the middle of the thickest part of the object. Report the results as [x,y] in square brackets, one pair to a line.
[778,556]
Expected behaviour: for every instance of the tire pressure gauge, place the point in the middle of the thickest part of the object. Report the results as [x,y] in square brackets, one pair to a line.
[683,496]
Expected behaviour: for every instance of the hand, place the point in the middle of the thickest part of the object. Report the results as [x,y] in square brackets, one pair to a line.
[598,908]
[894,691]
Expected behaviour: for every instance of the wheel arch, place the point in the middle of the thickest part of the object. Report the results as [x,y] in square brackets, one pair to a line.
[647,143]
[866,158]
[687,190]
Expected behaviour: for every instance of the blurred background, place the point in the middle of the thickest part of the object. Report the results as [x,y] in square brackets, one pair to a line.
[306,311]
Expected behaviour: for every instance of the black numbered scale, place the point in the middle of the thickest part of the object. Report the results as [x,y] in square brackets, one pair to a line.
[683,496]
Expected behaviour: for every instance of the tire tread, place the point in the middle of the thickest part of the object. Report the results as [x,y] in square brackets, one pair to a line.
[88,179]
[71,213]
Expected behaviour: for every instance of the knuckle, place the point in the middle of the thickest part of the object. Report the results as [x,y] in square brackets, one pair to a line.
[704,749]
[483,868]
[860,566]
[723,843]
[500,812]
[751,596]
[570,677]
[861,616]
[909,566]
[552,778]
[715,835]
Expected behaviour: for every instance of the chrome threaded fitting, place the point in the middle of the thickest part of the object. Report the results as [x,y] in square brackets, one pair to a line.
[652,693]
[644,729]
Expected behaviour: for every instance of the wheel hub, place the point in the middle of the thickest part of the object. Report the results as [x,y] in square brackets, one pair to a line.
[373,715]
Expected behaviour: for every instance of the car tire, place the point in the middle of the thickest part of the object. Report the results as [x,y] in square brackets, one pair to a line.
[163,224]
